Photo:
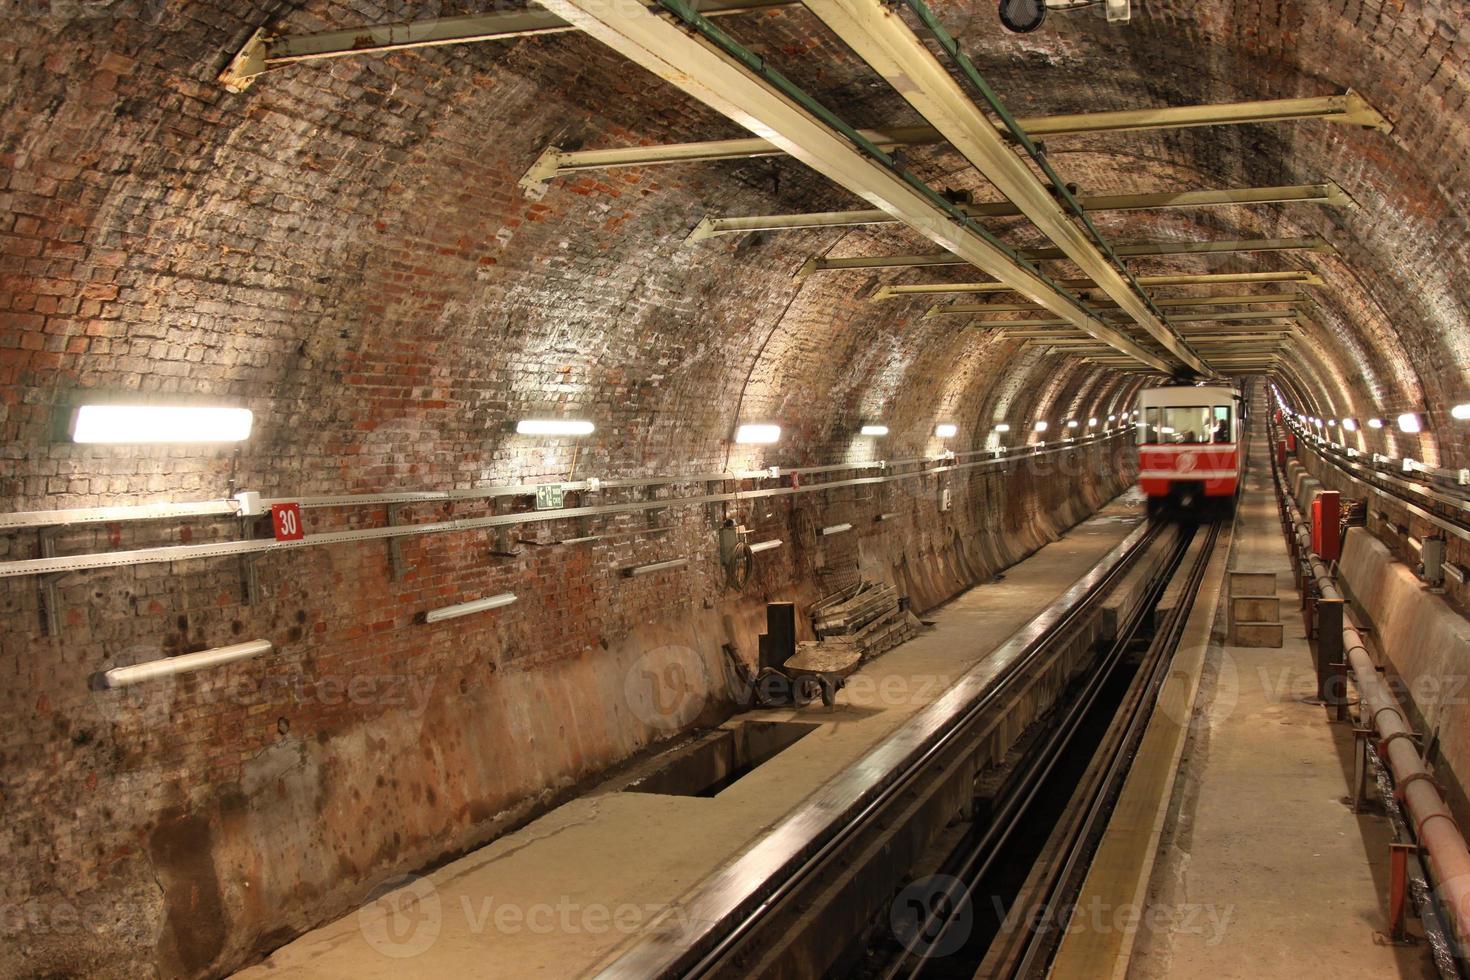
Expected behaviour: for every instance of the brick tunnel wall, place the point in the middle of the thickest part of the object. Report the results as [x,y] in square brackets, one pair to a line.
[349,256]
[196,822]
[345,250]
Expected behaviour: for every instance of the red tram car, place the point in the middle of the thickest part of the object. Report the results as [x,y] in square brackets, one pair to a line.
[1189,451]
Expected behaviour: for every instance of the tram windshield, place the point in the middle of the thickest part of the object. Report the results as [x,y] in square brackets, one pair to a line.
[1184,425]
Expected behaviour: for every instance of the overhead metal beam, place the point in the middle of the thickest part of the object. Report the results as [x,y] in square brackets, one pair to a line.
[1350,108]
[884,40]
[1240,299]
[1135,250]
[264,51]
[1328,193]
[1282,315]
[1092,347]
[713,69]
[1294,276]
[1200,338]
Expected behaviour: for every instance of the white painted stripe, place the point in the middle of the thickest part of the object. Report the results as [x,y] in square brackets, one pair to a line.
[1199,447]
[1190,475]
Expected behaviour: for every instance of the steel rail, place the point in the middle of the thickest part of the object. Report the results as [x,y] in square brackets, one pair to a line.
[226,507]
[728,907]
[1079,848]
[982,855]
[71,563]
[1409,494]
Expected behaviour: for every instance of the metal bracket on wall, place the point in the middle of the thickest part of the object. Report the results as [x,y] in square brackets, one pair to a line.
[250,589]
[505,545]
[50,604]
[654,516]
[395,547]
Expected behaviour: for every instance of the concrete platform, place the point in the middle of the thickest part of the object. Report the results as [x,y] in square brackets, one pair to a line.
[1263,870]
[562,895]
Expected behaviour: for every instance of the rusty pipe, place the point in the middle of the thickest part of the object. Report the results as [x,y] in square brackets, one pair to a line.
[1434,825]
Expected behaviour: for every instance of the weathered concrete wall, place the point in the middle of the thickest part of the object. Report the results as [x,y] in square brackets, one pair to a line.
[1383,511]
[1427,647]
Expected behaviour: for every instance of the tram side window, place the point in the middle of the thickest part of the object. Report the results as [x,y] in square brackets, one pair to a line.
[1222,428]
[1148,429]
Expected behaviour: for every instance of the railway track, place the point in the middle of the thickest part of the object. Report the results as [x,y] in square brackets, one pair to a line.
[816,894]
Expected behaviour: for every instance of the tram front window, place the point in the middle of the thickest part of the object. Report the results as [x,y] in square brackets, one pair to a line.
[1188,424]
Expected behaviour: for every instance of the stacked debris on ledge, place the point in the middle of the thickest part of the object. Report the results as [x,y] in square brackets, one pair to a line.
[865,620]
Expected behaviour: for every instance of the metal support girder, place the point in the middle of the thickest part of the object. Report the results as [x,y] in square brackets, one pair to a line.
[1135,250]
[884,40]
[264,51]
[1349,108]
[731,81]
[1228,365]
[1087,343]
[1199,337]
[1239,299]
[1293,276]
[1328,193]
[1245,315]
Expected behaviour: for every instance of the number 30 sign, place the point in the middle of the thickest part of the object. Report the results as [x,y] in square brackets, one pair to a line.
[286,522]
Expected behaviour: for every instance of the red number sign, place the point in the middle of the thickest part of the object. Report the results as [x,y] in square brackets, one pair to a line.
[286,522]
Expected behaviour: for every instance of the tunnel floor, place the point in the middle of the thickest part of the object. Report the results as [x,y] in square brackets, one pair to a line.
[1264,870]
[561,895]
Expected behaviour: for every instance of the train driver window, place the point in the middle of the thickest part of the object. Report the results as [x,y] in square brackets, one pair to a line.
[1148,429]
[1222,431]
[1189,424]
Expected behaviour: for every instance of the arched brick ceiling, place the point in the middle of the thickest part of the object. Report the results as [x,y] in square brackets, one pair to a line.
[345,248]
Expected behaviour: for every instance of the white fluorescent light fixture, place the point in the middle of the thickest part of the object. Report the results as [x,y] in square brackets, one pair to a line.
[835,529]
[757,433]
[1040,426]
[1002,427]
[470,608]
[1461,412]
[554,427]
[160,423]
[874,430]
[1409,422]
[760,546]
[1071,423]
[946,430]
[658,566]
[1112,418]
[1375,423]
[183,664]
[1091,423]
[1332,423]
[1350,425]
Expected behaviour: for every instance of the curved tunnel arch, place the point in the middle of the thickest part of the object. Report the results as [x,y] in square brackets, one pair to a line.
[345,250]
